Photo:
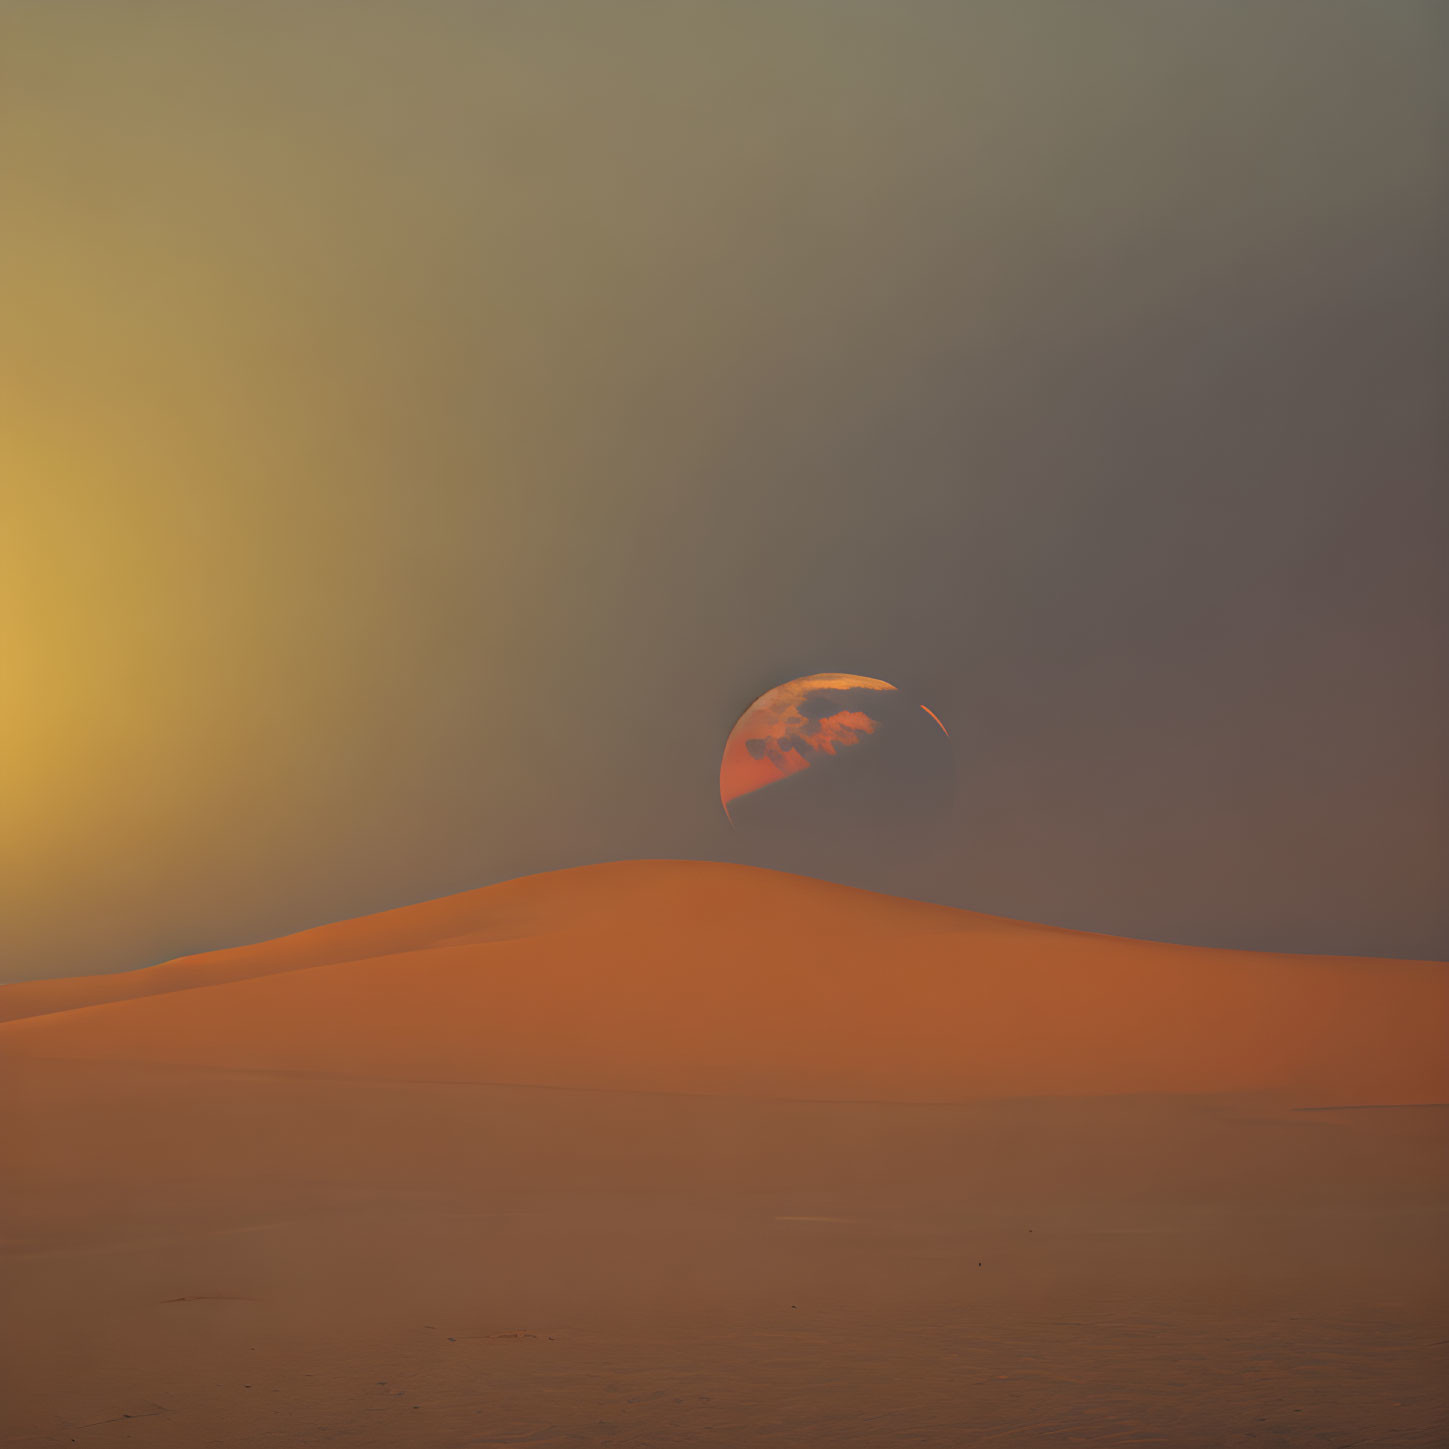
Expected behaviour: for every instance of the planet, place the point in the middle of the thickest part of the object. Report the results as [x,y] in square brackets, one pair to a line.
[836,763]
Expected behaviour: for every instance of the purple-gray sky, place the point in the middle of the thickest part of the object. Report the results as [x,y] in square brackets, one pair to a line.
[434,423]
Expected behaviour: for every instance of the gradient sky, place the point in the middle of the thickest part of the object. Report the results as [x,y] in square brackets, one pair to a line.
[427,427]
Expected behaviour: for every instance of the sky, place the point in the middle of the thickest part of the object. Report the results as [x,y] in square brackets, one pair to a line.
[427,427]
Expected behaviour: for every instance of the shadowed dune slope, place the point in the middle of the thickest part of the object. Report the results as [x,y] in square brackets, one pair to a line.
[684,976]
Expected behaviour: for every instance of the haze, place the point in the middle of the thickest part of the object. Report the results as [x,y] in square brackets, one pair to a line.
[429,426]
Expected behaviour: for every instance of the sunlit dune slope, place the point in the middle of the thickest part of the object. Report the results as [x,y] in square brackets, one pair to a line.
[686,976]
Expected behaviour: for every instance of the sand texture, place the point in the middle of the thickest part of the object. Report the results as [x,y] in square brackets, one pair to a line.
[668,1153]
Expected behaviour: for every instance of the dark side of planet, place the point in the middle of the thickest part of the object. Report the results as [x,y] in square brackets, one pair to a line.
[831,770]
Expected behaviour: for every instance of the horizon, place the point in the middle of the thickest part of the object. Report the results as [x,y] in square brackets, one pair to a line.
[604,865]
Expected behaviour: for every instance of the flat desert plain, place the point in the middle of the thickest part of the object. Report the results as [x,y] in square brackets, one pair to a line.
[675,1153]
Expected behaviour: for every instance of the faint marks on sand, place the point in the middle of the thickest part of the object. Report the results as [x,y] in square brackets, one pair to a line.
[139,1409]
[211,1298]
[506,1333]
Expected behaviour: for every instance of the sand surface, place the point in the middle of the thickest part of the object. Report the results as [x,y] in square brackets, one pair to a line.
[673,1154]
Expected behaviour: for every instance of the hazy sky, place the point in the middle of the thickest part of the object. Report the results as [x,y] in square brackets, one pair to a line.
[427,425]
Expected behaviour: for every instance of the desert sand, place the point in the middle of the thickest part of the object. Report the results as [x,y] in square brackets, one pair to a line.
[675,1153]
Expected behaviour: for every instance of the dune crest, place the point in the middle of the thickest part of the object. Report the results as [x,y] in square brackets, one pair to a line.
[687,976]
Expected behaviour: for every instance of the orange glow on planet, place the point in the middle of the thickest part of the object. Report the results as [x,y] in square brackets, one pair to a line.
[937,718]
[790,725]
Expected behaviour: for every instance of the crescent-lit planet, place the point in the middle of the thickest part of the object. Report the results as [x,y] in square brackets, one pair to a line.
[835,751]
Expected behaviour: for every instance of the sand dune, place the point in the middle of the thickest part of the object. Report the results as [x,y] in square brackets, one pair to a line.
[268,1197]
[683,976]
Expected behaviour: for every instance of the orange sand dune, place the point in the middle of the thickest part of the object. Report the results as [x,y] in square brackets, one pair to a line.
[248,1199]
[684,976]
